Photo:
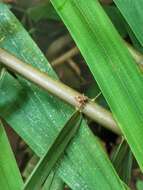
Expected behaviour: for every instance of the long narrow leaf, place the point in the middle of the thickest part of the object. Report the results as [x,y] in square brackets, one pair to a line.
[122,159]
[111,64]
[10,177]
[49,160]
[53,182]
[132,12]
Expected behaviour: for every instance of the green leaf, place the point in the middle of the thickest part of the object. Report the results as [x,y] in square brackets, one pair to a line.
[132,12]
[134,40]
[113,67]
[53,182]
[74,168]
[42,11]
[139,185]
[122,160]
[49,160]
[116,19]
[38,117]
[10,177]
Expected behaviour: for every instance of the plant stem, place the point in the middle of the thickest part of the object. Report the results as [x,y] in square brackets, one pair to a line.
[72,52]
[89,108]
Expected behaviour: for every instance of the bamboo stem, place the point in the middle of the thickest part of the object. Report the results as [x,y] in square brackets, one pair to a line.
[91,109]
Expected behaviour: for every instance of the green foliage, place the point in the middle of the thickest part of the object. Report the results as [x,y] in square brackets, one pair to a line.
[49,160]
[10,177]
[38,117]
[119,79]
[117,19]
[53,182]
[42,11]
[48,125]
[139,185]
[122,160]
[132,12]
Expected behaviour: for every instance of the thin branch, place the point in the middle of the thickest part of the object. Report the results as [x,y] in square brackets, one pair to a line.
[58,45]
[74,66]
[72,97]
[69,54]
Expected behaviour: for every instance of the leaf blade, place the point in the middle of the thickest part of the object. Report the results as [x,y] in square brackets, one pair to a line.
[10,177]
[122,160]
[112,63]
[132,12]
[44,167]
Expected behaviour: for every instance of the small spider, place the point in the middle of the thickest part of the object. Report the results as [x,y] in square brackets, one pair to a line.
[82,100]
